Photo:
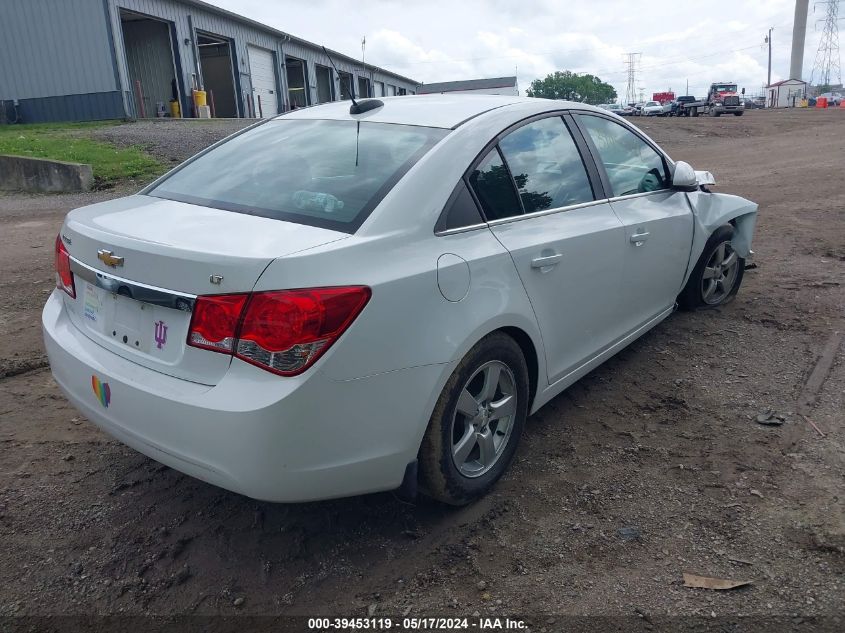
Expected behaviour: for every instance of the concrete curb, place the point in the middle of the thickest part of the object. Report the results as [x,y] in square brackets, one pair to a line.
[20,173]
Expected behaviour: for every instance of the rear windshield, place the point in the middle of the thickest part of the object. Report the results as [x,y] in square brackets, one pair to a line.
[330,174]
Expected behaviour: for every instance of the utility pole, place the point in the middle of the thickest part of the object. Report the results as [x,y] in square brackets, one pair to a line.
[687,92]
[769,42]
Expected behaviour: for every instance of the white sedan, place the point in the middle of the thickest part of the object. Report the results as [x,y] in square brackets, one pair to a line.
[652,108]
[341,301]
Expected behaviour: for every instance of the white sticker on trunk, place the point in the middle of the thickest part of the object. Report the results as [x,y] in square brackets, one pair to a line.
[92,303]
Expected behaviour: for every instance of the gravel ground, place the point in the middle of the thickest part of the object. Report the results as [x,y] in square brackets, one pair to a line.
[171,140]
[652,466]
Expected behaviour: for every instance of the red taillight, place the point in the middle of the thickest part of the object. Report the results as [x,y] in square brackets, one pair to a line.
[214,324]
[283,331]
[64,277]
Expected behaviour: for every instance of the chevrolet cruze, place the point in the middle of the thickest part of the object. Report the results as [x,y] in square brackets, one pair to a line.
[344,300]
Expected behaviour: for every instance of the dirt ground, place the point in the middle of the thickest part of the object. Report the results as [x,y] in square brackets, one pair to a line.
[662,439]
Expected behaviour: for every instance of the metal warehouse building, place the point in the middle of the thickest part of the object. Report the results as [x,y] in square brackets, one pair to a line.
[76,60]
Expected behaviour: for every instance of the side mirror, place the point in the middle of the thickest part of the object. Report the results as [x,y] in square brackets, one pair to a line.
[705,178]
[684,177]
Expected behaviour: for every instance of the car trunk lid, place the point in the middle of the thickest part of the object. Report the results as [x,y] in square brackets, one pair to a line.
[138,262]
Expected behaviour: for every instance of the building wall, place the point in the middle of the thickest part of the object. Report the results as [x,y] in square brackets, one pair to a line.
[185,18]
[54,60]
[66,59]
[782,96]
[184,15]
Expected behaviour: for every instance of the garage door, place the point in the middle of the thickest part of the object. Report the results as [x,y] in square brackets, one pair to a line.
[263,74]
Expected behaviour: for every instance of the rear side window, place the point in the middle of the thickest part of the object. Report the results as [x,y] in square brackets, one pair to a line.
[493,185]
[460,211]
[632,165]
[330,174]
[546,165]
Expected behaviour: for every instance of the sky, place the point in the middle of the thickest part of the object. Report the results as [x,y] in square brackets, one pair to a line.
[445,40]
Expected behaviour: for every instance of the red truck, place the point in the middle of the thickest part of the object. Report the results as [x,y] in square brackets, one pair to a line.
[663,97]
[722,98]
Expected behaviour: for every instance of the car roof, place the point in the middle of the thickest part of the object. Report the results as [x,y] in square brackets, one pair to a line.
[437,110]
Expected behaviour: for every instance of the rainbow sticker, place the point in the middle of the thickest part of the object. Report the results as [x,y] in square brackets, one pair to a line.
[101,390]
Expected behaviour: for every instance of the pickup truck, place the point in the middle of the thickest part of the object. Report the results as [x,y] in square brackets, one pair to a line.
[677,106]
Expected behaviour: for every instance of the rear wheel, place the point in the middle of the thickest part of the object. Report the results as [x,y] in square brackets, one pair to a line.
[716,278]
[475,427]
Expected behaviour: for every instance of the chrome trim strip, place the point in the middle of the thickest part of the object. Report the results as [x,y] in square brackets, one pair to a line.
[133,289]
[641,194]
[538,214]
[460,229]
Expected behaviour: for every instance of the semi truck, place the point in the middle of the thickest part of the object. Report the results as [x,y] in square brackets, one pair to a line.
[722,98]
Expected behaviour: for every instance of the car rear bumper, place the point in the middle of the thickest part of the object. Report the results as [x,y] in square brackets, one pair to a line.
[267,437]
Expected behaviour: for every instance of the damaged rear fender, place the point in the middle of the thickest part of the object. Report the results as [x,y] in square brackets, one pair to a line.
[712,210]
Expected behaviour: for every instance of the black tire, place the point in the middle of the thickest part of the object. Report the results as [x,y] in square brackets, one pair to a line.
[693,296]
[695,112]
[738,113]
[439,476]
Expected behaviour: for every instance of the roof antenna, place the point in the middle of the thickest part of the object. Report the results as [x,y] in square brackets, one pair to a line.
[356,107]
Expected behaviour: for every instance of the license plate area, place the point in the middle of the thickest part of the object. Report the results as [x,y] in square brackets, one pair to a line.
[131,326]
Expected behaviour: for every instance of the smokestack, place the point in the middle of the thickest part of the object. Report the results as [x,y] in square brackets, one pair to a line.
[799,32]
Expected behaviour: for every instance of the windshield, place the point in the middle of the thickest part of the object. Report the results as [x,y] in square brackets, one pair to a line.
[652,103]
[330,174]
[725,88]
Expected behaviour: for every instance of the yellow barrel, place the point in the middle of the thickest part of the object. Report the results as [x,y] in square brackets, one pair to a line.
[175,110]
[803,103]
[199,98]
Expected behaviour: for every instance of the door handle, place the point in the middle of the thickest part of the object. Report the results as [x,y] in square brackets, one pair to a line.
[546,261]
[637,239]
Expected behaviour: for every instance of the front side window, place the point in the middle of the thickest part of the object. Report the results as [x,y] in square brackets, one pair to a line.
[632,165]
[546,165]
[330,174]
[492,183]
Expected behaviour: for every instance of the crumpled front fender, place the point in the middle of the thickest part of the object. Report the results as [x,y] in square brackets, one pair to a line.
[712,210]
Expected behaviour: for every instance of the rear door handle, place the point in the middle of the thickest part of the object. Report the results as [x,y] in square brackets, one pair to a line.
[546,261]
[637,239]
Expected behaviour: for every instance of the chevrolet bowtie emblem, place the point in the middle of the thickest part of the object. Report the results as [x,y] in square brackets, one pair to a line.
[109,258]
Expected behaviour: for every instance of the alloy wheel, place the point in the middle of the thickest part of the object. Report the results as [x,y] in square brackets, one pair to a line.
[483,419]
[720,274]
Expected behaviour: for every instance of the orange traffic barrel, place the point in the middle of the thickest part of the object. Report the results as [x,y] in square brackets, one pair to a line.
[821,102]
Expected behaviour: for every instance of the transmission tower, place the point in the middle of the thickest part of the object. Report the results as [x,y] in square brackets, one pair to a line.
[631,64]
[827,67]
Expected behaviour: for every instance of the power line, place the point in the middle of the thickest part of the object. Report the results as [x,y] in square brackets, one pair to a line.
[828,61]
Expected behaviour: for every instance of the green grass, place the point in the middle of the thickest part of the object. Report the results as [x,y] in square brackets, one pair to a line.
[70,142]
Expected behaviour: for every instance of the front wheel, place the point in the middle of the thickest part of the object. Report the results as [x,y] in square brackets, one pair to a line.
[477,422]
[716,278]
[737,113]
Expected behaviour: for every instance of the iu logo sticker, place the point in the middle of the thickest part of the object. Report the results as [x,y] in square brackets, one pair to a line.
[160,334]
[101,390]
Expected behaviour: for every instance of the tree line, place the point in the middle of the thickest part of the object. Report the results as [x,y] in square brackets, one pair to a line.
[570,86]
